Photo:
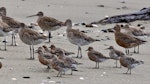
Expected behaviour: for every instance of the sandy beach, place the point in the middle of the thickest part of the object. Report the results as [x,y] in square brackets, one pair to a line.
[15,66]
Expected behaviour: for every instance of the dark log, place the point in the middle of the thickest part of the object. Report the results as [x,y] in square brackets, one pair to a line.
[143,14]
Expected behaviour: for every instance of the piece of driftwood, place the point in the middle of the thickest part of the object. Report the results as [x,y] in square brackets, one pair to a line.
[143,14]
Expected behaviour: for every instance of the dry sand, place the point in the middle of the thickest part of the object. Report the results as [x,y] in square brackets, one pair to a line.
[15,65]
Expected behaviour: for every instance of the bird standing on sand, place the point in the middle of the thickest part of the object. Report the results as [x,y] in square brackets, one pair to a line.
[71,63]
[125,40]
[43,57]
[5,30]
[96,56]
[78,38]
[129,63]
[14,24]
[30,37]
[115,54]
[48,23]
[135,31]
[58,65]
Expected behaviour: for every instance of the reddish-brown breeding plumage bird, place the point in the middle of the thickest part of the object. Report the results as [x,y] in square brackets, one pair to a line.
[126,41]
[43,57]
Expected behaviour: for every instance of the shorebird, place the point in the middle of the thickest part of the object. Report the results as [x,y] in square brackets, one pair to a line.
[0,65]
[96,56]
[48,23]
[44,56]
[5,30]
[14,24]
[30,37]
[129,63]
[58,65]
[55,49]
[71,63]
[78,38]
[135,31]
[125,40]
[115,54]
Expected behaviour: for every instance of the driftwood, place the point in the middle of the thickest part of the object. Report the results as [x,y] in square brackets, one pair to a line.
[143,14]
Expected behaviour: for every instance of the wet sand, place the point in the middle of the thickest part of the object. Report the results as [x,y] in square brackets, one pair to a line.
[15,65]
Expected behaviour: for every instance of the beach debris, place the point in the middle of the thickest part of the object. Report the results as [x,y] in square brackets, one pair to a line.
[2,58]
[124,7]
[86,31]
[104,73]
[48,77]
[143,14]
[11,68]
[100,6]
[86,12]
[48,5]
[91,25]
[123,2]
[81,78]
[26,77]
[14,79]
[51,82]
[109,30]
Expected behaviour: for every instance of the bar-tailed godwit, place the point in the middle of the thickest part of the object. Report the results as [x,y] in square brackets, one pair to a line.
[5,30]
[30,37]
[14,24]
[48,23]
[78,38]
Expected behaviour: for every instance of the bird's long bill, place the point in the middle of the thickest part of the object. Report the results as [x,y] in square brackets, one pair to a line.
[31,16]
[107,48]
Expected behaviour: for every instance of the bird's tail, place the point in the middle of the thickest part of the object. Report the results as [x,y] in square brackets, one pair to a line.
[139,62]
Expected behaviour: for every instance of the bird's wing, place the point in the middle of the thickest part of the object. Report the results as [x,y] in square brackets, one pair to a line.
[51,21]
[79,35]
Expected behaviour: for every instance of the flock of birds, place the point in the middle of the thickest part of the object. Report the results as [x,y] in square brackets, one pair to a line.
[57,58]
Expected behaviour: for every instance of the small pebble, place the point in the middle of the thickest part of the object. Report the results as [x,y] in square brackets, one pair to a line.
[13,78]
[81,78]
[100,6]
[48,77]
